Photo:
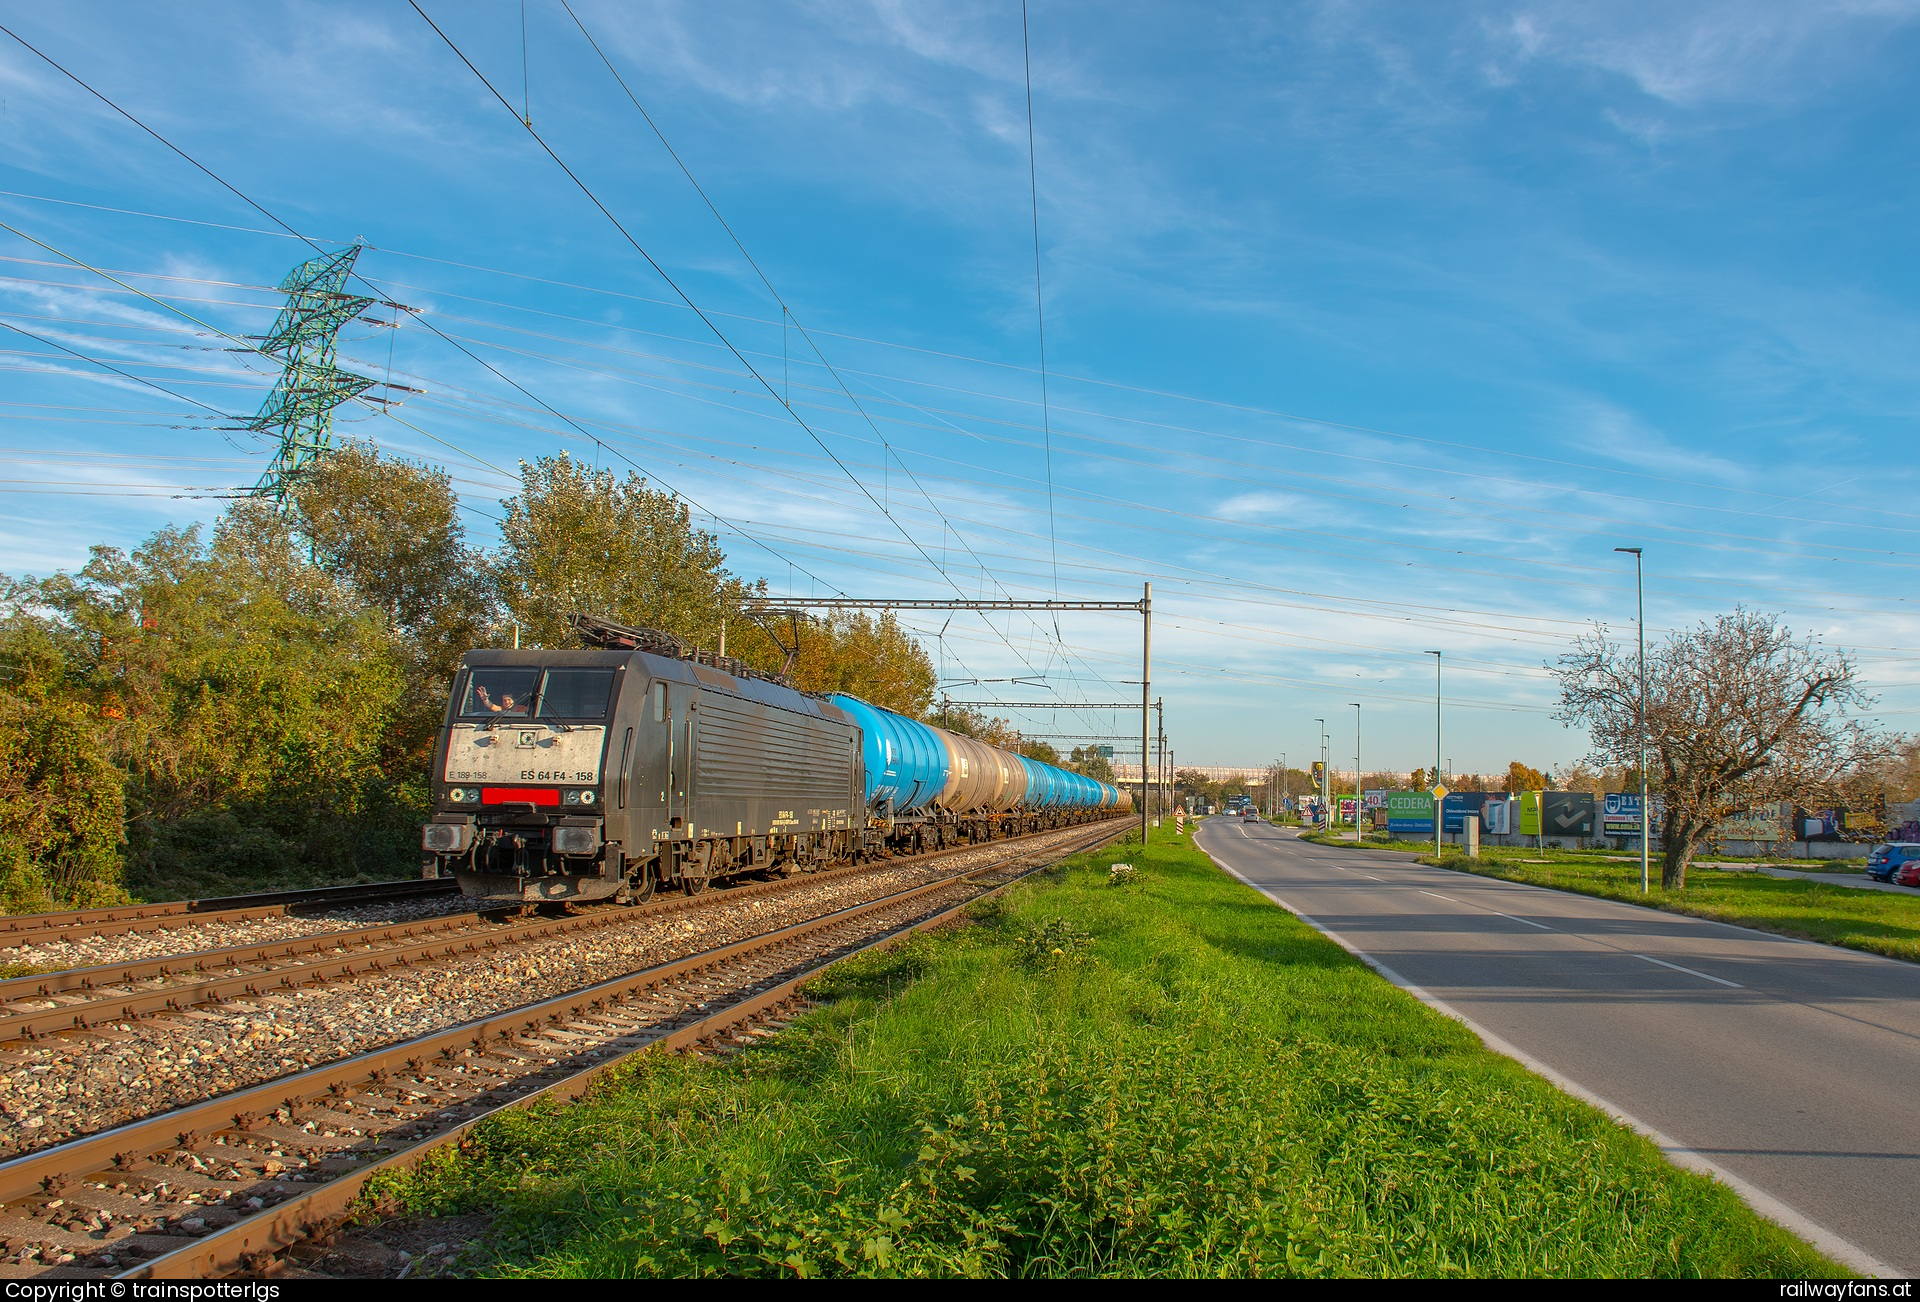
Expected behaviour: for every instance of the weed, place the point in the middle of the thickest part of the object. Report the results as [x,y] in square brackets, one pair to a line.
[1051,945]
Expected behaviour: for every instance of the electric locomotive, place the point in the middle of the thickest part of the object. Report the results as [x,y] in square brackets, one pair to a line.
[606,774]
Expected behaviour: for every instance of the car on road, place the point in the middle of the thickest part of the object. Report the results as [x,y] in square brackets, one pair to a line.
[1884,861]
[1908,874]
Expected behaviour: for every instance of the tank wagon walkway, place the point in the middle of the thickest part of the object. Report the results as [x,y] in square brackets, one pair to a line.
[1785,1064]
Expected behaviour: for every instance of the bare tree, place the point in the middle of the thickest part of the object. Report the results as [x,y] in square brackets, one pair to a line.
[1738,713]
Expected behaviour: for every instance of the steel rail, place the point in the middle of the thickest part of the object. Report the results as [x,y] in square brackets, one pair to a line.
[122,1149]
[38,928]
[108,1010]
[256,1237]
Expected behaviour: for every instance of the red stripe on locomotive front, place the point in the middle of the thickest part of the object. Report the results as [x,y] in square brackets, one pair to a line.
[519,795]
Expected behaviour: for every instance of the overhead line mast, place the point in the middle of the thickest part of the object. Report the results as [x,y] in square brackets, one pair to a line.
[255,204]
[299,410]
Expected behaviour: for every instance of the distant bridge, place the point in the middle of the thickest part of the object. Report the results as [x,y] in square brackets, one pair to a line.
[1213,772]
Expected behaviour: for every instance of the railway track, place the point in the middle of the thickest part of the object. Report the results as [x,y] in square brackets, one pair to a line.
[209,1187]
[121,920]
[110,995]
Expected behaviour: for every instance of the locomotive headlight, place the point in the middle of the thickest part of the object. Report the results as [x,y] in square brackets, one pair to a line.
[457,794]
[586,797]
[571,798]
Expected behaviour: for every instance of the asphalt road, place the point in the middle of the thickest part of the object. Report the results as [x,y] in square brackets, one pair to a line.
[1790,1069]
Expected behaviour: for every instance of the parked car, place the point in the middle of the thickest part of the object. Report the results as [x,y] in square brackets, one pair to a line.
[1908,874]
[1884,861]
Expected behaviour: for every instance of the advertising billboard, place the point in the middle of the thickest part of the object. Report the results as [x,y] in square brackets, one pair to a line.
[1376,799]
[1566,813]
[1529,813]
[1410,811]
[1769,822]
[1344,807]
[1620,815]
[1460,806]
[1496,816]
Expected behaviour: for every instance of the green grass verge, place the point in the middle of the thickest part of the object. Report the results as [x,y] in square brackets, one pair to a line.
[1378,840]
[1168,1078]
[1881,922]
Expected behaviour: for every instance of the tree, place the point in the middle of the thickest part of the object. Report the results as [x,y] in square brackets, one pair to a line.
[1522,778]
[1738,713]
[1195,783]
[969,722]
[1417,780]
[576,540]
[874,659]
[1581,776]
[388,530]
[1896,777]
[241,694]
[1089,761]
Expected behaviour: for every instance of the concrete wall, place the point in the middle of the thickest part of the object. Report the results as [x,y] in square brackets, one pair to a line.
[1631,845]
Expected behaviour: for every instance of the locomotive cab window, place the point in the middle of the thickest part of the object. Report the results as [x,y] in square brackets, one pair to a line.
[576,693]
[497,693]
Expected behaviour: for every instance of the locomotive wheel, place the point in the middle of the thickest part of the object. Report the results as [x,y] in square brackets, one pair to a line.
[694,885]
[639,892]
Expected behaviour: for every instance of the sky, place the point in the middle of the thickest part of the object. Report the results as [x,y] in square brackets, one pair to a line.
[1370,330]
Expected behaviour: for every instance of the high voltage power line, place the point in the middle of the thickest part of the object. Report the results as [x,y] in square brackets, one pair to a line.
[1056,375]
[1507,481]
[1676,578]
[674,285]
[1046,431]
[263,211]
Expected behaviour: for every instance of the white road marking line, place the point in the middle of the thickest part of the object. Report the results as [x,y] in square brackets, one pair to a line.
[1690,972]
[1508,916]
[1377,879]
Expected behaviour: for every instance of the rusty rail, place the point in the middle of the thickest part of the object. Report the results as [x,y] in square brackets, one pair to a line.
[119,920]
[32,1023]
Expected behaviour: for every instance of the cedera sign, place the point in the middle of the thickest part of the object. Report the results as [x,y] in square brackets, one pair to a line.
[1409,811]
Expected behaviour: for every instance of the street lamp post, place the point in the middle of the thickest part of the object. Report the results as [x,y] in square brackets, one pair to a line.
[1320,788]
[1356,769]
[1326,775]
[1646,812]
[1437,800]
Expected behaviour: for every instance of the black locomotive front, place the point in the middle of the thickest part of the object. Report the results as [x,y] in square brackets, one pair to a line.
[520,808]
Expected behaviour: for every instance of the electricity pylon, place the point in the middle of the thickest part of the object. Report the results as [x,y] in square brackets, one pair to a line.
[299,411]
